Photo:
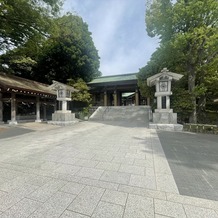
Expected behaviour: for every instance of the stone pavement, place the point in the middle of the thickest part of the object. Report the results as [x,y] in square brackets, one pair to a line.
[99,170]
[193,159]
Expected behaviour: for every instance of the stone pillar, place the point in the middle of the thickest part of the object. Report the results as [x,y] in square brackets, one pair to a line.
[13,110]
[64,105]
[167,102]
[37,110]
[159,102]
[44,112]
[119,99]
[1,109]
[105,99]
[115,98]
[148,101]
[136,97]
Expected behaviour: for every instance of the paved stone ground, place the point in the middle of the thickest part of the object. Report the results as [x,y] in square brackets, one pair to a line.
[193,159]
[92,170]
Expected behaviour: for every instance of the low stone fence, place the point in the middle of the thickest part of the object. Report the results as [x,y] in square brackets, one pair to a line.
[200,128]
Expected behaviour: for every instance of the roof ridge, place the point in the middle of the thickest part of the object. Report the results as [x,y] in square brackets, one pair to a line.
[21,78]
[126,74]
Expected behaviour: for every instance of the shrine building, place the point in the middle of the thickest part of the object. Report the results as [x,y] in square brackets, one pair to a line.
[23,100]
[117,90]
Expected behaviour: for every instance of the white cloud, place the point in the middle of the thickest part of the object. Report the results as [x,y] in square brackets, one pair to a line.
[118,31]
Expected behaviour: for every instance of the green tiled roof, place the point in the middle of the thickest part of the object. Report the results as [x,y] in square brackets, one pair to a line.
[114,78]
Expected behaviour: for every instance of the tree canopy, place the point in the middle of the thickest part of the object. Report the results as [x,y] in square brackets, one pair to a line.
[66,52]
[188,33]
[69,52]
[24,19]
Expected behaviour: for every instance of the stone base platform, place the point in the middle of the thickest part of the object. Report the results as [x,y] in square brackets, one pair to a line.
[165,117]
[167,127]
[63,119]
[63,123]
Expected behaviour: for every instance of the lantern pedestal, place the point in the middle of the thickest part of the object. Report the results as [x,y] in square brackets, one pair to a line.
[163,117]
[63,119]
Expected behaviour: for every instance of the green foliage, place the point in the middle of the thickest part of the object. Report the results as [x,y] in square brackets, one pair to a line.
[188,32]
[68,53]
[23,19]
[83,95]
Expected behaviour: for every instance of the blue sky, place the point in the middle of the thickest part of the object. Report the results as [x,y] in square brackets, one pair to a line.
[118,31]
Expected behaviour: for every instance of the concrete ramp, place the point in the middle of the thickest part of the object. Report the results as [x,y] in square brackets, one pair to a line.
[122,113]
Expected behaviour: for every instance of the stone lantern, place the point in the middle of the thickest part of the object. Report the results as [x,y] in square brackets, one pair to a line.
[62,116]
[162,81]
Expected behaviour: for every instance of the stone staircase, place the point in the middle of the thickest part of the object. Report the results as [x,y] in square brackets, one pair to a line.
[122,113]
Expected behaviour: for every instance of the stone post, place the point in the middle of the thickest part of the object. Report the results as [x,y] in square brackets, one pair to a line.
[37,110]
[148,101]
[159,102]
[1,108]
[44,112]
[168,102]
[136,97]
[13,110]
[105,98]
[115,98]
[64,105]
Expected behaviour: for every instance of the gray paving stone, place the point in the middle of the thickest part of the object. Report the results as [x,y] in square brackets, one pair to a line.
[9,174]
[136,156]
[8,200]
[160,216]
[132,169]
[87,156]
[108,210]
[90,173]
[86,163]
[36,180]
[199,202]
[108,166]
[54,207]
[17,186]
[71,214]
[46,191]
[143,192]
[140,162]
[68,160]
[116,177]
[143,181]
[115,197]
[98,183]
[123,160]
[166,182]
[197,212]
[139,207]
[68,169]
[72,188]
[103,157]
[167,208]
[87,200]
[22,209]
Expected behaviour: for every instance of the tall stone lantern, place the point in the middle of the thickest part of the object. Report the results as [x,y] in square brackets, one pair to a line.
[62,116]
[162,82]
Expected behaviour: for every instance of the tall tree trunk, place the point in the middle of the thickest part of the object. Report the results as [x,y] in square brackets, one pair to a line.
[191,87]
[201,108]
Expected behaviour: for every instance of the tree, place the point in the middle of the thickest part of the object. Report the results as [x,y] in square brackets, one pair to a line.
[23,19]
[189,28]
[68,53]
[83,95]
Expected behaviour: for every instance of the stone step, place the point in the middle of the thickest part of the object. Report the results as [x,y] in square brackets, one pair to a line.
[122,113]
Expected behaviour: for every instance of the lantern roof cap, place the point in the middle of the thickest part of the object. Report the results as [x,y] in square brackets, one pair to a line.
[164,72]
[58,85]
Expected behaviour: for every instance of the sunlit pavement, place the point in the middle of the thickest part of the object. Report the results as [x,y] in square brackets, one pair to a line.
[116,170]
